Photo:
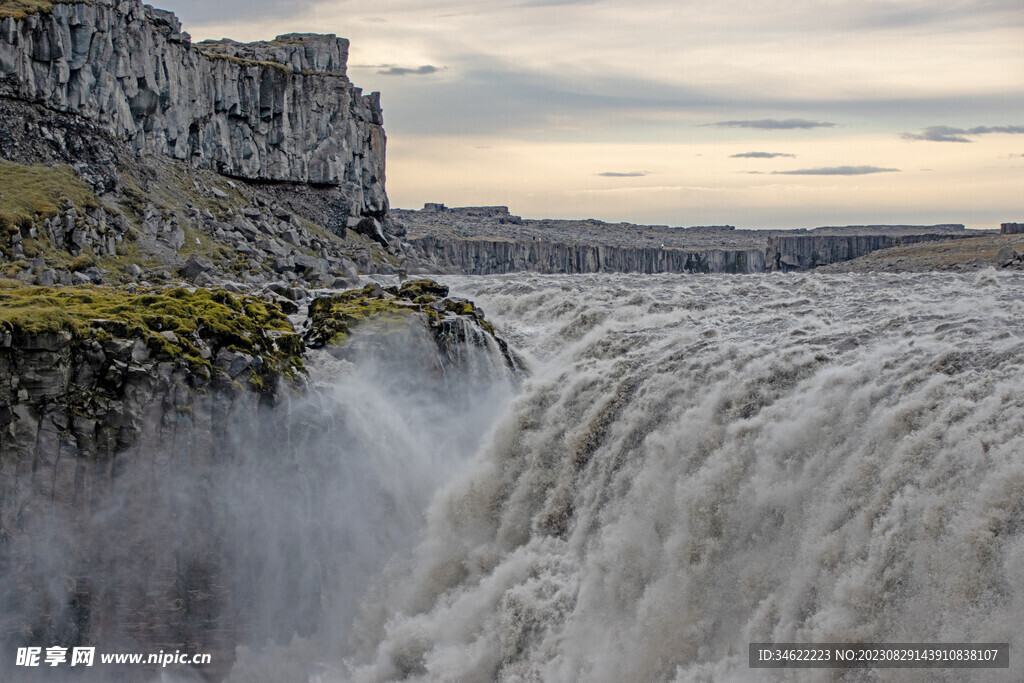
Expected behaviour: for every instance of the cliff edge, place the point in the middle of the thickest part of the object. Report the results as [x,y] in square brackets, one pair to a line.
[282,110]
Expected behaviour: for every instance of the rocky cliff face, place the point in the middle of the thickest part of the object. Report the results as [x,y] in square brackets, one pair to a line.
[156,487]
[488,257]
[482,240]
[806,251]
[796,252]
[282,110]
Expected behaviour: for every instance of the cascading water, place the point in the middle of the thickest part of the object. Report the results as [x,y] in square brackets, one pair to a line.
[698,463]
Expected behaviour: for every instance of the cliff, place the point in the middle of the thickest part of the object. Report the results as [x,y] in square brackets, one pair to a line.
[273,111]
[126,151]
[163,456]
[483,240]
[483,256]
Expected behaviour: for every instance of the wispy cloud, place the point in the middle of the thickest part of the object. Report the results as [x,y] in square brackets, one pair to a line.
[775,124]
[623,174]
[761,155]
[951,134]
[405,71]
[838,170]
[556,3]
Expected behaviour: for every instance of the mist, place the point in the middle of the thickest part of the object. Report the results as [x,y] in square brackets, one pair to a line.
[263,536]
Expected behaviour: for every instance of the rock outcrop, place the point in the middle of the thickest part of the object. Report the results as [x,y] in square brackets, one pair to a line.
[782,253]
[488,240]
[155,475]
[806,251]
[282,110]
[491,256]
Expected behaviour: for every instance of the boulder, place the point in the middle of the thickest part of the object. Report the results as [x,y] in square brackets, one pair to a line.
[195,266]
[1006,256]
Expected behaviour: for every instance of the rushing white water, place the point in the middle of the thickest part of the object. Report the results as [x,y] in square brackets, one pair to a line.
[701,462]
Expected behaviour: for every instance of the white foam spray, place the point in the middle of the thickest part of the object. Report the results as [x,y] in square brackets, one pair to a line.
[698,463]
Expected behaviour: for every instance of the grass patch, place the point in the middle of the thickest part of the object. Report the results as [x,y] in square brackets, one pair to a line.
[332,319]
[19,9]
[243,63]
[204,244]
[211,318]
[31,192]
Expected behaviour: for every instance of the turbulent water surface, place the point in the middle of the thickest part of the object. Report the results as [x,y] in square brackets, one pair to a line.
[701,462]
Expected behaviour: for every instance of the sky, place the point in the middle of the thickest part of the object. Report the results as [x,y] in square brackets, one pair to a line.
[673,112]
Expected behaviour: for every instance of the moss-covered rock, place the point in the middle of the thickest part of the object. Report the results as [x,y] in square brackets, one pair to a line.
[31,192]
[417,288]
[211,331]
[19,9]
[333,318]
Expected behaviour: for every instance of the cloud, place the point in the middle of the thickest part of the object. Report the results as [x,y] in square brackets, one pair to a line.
[556,3]
[405,71]
[623,174]
[203,11]
[951,134]
[761,155]
[838,170]
[775,124]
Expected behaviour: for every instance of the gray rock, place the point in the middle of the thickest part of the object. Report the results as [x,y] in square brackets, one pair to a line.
[369,227]
[195,266]
[47,278]
[281,110]
[310,264]
[1006,256]
[282,265]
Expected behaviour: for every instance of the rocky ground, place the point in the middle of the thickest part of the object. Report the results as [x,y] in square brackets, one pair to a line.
[489,239]
[973,253]
[496,222]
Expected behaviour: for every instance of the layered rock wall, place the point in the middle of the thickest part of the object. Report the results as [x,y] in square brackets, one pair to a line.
[480,256]
[806,251]
[148,504]
[282,110]
[487,257]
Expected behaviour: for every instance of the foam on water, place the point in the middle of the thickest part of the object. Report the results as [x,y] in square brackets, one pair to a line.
[702,462]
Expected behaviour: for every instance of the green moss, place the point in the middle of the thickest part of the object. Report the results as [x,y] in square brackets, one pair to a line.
[205,245]
[19,9]
[13,268]
[333,319]
[82,262]
[416,288]
[127,254]
[31,192]
[133,201]
[215,319]
[242,62]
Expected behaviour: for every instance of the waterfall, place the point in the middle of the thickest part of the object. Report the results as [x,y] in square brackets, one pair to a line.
[246,529]
[698,463]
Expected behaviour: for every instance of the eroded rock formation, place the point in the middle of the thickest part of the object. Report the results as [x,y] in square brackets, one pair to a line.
[164,461]
[282,110]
